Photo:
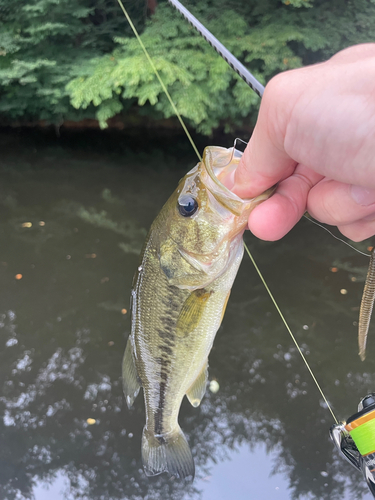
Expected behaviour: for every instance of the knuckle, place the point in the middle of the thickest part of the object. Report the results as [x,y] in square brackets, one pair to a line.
[279,84]
[331,210]
[322,210]
[327,204]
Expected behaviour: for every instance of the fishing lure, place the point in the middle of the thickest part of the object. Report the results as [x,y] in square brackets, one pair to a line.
[367,305]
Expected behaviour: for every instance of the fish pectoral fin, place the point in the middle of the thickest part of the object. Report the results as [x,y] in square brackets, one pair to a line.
[198,388]
[130,380]
[192,312]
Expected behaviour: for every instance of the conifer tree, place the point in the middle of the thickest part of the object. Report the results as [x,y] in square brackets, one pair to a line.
[78,58]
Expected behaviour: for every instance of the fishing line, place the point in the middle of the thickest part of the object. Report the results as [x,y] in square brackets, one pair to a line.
[290,332]
[248,251]
[159,78]
[336,237]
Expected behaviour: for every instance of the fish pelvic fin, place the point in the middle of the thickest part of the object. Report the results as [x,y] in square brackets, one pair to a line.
[198,388]
[169,453]
[130,380]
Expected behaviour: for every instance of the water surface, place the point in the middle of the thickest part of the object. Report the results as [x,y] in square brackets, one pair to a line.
[74,214]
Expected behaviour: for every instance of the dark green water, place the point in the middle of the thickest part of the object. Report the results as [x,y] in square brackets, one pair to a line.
[264,434]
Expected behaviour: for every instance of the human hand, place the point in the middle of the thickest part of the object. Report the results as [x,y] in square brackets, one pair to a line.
[315,136]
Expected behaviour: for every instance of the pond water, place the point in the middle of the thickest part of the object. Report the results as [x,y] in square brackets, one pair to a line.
[74,213]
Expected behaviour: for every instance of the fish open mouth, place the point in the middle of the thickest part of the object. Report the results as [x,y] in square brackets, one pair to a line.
[219,162]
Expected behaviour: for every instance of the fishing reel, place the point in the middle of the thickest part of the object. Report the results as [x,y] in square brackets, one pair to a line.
[355,439]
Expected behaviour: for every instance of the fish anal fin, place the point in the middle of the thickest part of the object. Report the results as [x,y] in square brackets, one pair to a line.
[130,380]
[169,453]
[198,388]
[192,312]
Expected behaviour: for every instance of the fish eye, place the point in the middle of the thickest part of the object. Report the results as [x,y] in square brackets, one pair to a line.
[187,205]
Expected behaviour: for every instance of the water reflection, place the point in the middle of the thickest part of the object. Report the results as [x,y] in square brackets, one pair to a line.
[64,323]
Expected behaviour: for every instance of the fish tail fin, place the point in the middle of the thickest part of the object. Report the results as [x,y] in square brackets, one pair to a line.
[169,453]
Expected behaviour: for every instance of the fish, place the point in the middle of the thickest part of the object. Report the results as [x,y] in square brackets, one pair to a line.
[367,304]
[179,294]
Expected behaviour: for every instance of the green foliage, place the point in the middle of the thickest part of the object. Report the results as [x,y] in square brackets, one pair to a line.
[43,45]
[204,88]
[78,58]
[299,3]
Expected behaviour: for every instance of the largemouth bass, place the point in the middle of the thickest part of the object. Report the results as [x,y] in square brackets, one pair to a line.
[187,267]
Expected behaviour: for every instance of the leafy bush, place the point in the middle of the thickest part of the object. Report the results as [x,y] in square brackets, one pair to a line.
[74,59]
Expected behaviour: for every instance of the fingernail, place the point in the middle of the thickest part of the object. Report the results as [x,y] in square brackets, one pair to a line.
[362,196]
[226,178]
[229,180]
[240,190]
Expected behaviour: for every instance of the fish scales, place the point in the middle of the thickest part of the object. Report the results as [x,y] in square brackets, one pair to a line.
[189,262]
[164,378]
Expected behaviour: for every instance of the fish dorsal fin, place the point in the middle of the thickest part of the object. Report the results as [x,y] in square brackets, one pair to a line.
[192,312]
[198,388]
[130,380]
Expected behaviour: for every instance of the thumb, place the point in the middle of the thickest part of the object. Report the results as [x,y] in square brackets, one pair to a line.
[261,166]
[265,161]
